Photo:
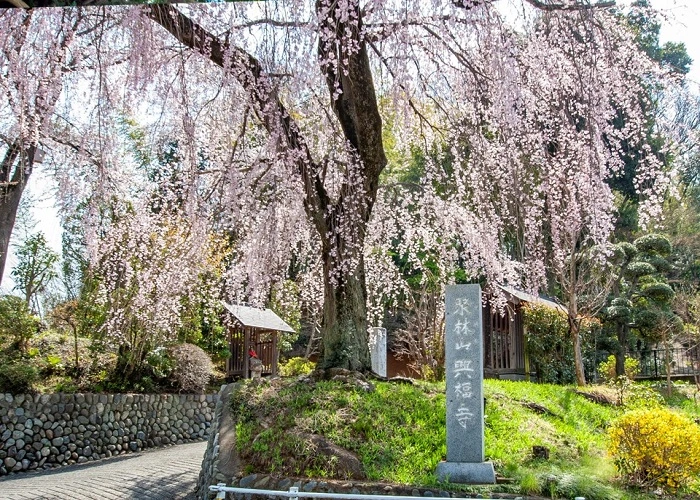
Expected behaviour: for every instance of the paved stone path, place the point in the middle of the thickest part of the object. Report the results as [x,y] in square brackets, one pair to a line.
[163,473]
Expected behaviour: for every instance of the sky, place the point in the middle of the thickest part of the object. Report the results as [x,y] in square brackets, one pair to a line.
[682,25]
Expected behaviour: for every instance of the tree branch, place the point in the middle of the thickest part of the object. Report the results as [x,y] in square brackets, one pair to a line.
[345,64]
[571,5]
[413,106]
[546,5]
[250,75]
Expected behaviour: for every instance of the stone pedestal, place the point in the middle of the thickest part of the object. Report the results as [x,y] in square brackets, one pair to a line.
[466,472]
[464,376]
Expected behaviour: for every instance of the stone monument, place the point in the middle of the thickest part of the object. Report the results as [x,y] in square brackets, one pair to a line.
[464,377]
[377,350]
[256,368]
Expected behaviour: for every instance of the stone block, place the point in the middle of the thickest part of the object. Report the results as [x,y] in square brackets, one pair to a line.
[284,484]
[310,486]
[248,481]
[263,483]
[466,472]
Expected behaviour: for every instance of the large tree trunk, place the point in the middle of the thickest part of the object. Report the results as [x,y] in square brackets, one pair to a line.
[14,175]
[9,203]
[345,337]
[575,329]
[570,284]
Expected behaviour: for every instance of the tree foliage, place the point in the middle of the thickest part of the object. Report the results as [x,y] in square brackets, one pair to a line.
[641,299]
[284,152]
[17,323]
[35,269]
[549,344]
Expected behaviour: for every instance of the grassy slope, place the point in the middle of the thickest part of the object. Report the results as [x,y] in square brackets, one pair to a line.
[572,428]
[398,432]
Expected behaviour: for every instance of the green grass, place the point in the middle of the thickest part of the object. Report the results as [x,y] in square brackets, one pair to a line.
[573,427]
[398,433]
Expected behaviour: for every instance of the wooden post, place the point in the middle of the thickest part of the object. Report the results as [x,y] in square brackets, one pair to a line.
[246,348]
[526,354]
[229,362]
[275,354]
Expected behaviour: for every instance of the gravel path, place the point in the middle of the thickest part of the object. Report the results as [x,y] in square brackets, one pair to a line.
[163,473]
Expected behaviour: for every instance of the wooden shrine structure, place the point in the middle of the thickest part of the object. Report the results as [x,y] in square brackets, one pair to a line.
[505,353]
[256,329]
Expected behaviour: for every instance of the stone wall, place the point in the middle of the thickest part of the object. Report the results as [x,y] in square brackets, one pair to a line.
[220,462]
[48,430]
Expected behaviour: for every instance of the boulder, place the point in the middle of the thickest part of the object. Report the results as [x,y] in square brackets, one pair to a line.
[347,464]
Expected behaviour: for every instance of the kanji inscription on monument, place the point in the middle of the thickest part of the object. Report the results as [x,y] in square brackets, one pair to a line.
[464,354]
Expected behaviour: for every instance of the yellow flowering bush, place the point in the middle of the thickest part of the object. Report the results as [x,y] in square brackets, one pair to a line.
[656,447]
[296,366]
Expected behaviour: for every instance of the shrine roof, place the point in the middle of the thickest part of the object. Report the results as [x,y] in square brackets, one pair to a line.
[531,299]
[257,317]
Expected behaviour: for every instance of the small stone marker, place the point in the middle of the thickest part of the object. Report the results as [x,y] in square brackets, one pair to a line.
[256,368]
[377,347]
[464,377]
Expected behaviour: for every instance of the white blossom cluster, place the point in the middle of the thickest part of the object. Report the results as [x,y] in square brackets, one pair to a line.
[500,140]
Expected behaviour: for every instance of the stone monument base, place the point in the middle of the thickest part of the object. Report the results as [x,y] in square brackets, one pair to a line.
[466,472]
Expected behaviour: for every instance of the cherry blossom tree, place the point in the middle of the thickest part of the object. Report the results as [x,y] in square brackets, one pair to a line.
[288,113]
[148,263]
[493,128]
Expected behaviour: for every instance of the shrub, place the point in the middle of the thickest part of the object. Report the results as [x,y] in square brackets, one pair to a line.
[192,367]
[159,362]
[558,484]
[655,447]
[549,343]
[17,323]
[16,376]
[296,366]
[606,369]
[66,386]
[529,484]
[623,384]
[640,396]
[53,365]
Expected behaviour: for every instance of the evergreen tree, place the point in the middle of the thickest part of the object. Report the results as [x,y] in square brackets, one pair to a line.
[35,270]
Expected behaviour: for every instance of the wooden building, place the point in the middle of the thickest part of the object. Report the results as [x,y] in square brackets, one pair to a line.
[505,348]
[255,329]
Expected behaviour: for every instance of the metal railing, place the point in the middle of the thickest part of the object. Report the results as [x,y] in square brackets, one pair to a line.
[684,362]
[294,494]
[681,361]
